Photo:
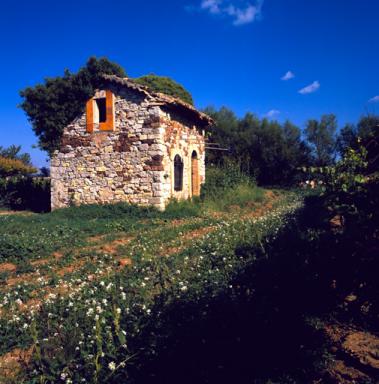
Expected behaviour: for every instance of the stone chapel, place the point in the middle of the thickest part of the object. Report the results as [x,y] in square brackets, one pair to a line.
[132,145]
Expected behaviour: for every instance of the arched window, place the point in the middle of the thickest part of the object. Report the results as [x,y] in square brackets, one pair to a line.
[178,173]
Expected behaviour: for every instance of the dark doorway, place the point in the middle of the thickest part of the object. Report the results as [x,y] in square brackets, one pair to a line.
[178,173]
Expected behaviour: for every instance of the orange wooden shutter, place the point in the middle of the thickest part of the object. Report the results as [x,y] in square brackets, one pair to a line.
[89,115]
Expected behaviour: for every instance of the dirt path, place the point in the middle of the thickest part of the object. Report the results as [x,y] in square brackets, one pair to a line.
[357,355]
[12,363]
[112,248]
[116,261]
[19,213]
[14,360]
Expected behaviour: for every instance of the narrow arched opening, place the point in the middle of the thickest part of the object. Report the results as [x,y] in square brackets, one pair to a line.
[178,173]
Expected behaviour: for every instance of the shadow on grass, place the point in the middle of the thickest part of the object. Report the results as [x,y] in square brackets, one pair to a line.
[265,326]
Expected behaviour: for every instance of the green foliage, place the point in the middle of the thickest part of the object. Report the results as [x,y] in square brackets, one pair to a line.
[348,175]
[174,210]
[13,152]
[266,150]
[322,137]
[347,233]
[179,209]
[37,236]
[165,85]
[274,153]
[13,163]
[367,126]
[366,130]
[227,188]
[220,179]
[30,193]
[53,105]
[103,212]
[233,200]
[18,190]
[339,236]
[348,182]
[13,167]
[347,138]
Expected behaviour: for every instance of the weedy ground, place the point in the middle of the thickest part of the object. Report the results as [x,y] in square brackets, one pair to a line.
[79,286]
[243,285]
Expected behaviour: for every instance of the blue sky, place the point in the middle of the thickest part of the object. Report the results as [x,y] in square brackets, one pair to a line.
[282,58]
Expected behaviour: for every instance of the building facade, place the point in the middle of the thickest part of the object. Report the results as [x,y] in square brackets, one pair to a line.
[131,145]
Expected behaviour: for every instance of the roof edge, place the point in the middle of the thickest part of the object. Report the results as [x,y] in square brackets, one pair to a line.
[171,101]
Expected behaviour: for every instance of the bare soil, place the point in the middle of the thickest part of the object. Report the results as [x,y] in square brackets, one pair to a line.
[357,355]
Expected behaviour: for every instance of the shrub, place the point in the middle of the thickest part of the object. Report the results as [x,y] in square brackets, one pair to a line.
[165,85]
[227,187]
[220,179]
[179,209]
[21,192]
[12,167]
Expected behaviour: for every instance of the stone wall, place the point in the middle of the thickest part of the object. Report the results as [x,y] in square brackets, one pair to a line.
[132,163]
[182,140]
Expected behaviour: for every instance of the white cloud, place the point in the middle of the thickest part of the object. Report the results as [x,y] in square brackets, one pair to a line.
[244,15]
[374,99]
[272,113]
[213,6]
[240,15]
[288,76]
[310,88]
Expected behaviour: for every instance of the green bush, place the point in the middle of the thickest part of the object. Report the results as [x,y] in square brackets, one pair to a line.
[13,167]
[178,209]
[21,192]
[241,196]
[165,85]
[227,187]
[220,179]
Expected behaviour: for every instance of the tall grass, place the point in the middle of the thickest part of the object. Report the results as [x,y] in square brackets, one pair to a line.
[219,179]
[227,188]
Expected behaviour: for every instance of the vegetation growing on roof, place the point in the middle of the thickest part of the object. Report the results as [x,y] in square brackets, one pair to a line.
[165,85]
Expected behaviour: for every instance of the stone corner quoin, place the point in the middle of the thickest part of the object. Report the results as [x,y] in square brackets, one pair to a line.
[130,145]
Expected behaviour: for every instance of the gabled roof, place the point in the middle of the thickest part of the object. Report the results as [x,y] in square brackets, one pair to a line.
[161,99]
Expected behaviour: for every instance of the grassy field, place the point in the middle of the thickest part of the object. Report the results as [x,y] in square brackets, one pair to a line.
[248,286]
[80,286]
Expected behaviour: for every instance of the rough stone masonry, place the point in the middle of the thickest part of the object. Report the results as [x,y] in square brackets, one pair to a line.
[131,145]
